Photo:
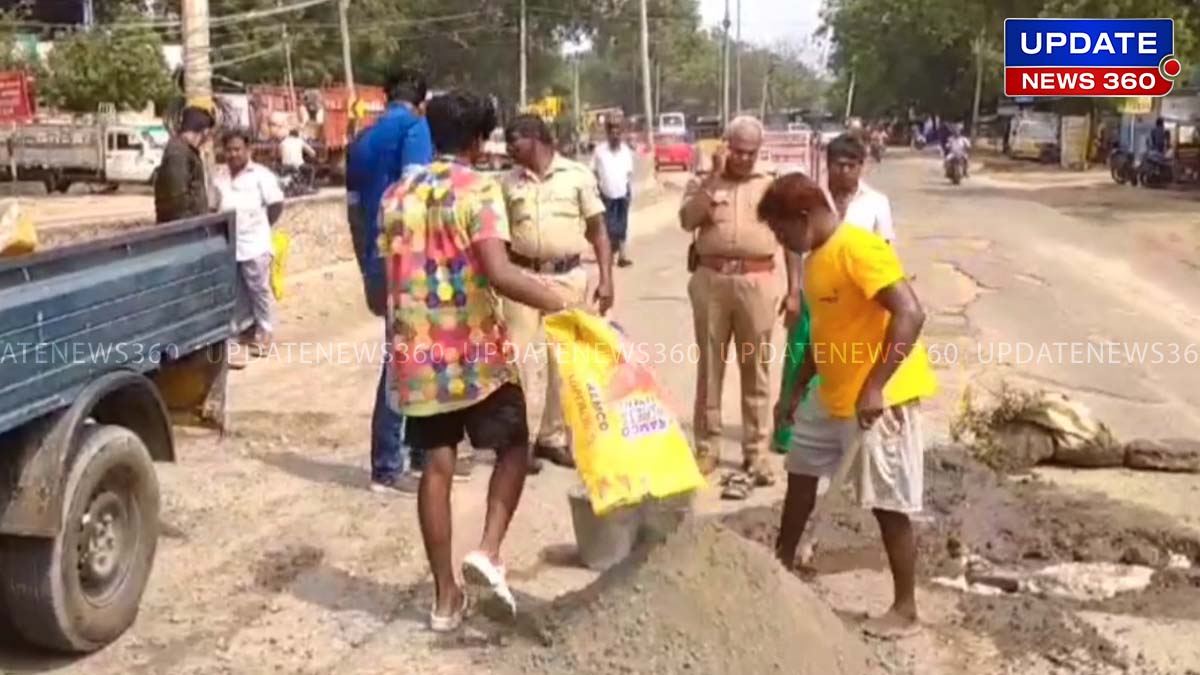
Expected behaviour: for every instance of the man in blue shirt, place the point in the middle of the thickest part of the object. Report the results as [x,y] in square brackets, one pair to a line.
[398,142]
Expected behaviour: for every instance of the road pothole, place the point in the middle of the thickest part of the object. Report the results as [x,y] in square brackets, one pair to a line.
[1024,528]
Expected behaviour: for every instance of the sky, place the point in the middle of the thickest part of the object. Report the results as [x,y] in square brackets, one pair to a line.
[768,21]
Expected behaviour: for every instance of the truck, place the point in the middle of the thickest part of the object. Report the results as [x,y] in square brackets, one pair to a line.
[58,155]
[325,118]
[102,346]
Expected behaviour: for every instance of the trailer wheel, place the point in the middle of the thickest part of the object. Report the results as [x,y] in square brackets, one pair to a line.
[81,590]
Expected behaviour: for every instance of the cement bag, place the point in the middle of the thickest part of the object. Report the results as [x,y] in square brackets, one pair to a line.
[18,236]
[628,444]
[280,243]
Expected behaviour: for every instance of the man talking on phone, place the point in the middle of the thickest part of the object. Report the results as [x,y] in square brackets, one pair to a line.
[735,294]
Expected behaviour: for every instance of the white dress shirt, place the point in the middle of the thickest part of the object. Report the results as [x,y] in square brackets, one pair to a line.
[871,210]
[614,170]
[249,194]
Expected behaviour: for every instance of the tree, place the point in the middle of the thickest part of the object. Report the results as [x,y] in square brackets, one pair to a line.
[121,66]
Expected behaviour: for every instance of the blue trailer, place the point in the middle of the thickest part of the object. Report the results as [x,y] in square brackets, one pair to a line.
[102,346]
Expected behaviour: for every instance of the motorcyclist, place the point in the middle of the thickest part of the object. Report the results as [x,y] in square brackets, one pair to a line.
[293,153]
[1158,142]
[957,147]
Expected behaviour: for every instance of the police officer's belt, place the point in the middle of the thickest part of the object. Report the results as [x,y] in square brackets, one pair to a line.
[556,266]
[726,265]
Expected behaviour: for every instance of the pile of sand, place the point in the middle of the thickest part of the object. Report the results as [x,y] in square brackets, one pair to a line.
[705,601]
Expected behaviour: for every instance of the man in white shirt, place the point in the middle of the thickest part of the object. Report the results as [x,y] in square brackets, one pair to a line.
[959,147]
[294,151]
[613,164]
[858,203]
[252,192]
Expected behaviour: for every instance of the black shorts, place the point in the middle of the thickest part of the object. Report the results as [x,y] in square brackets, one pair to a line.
[495,423]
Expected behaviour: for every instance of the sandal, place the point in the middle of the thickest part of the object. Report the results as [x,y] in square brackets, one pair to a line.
[736,487]
[759,472]
[451,623]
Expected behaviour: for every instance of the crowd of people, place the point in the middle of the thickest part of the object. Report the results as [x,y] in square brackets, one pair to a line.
[463,268]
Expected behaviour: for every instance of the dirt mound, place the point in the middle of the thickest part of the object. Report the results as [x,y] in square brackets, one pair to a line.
[705,601]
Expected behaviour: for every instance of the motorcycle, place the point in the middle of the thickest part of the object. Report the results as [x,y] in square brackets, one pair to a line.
[1155,171]
[956,169]
[1120,165]
[297,182]
[877,152]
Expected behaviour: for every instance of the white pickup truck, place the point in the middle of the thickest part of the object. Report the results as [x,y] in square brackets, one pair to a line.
[58,155]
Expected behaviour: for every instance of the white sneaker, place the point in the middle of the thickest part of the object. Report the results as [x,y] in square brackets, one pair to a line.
[479,571]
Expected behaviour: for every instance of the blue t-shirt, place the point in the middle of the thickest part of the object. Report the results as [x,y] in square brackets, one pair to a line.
[398,142]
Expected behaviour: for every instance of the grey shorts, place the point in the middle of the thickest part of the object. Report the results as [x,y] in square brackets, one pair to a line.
[889,470]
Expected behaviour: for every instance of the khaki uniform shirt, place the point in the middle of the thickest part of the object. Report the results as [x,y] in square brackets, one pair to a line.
[730,226]
[548,215]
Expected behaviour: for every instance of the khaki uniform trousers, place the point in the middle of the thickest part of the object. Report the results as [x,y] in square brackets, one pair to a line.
[742,309]
[539,373]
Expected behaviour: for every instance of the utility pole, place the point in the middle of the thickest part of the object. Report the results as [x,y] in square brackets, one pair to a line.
[347,62]
[89,14]
[578,98]
[978,84]
[725,69]
[738,64]
[658,85]
[766,92]
[850,95]
[647,100]
[287,62]
[289,80]
[348,65]
[524,59]
[197,69]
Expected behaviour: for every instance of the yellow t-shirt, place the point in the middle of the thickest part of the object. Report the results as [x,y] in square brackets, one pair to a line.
[841,279]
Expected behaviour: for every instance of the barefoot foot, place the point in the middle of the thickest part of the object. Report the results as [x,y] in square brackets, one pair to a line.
[893,625]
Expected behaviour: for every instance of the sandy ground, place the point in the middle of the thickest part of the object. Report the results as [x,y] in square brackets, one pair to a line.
[276,558]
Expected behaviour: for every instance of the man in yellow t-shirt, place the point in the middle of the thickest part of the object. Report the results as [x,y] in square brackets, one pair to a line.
[865,323]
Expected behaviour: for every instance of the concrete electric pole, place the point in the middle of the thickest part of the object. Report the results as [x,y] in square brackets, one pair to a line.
[347,62]
[979,43]
[197,69]
[647,98]
[524,59]
[738,59]
[725,69]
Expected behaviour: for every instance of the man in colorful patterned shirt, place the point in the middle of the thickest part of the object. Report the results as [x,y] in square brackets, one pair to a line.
[453,373]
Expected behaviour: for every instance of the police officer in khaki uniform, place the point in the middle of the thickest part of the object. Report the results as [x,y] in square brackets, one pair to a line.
[555,214]
[735,293]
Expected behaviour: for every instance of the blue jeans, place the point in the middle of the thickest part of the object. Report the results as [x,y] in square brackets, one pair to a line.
[389,453]
[616,218]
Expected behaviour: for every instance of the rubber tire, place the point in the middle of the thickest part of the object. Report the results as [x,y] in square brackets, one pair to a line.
[47,605]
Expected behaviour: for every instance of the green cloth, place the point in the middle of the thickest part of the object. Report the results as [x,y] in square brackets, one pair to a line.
[797,344]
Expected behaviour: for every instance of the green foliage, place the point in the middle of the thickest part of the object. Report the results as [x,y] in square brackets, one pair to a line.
[107,65]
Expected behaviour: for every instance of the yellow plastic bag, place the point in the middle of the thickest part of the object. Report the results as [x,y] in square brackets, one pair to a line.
[18,235]
[628,444]
[279,247]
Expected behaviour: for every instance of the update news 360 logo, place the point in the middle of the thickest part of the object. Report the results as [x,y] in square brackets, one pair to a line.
[1089,57]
